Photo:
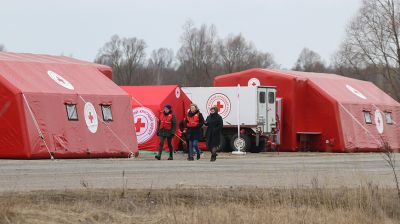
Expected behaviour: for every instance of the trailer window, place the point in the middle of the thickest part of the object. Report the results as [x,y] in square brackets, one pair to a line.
[106,110]
[72,113]
[388,116]
[262,97]
[367,117]
[271,97]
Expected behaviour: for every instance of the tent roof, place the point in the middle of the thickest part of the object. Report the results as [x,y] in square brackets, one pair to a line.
[30,73]
[340,88]
[44,58]
[158,96]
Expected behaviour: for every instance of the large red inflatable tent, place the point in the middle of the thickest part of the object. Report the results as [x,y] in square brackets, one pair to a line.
[60,107]
[326,112]
[147,105]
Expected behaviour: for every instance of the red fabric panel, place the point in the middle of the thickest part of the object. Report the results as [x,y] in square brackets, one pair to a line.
[13,138]
[155,98]
[312,102]
[28,74]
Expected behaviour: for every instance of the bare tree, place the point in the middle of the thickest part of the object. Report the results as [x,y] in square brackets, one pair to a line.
[237,54]
[309,61]
[390,158]
[125,55]
[373,40]
[198,53]
[263,60]
[160,61]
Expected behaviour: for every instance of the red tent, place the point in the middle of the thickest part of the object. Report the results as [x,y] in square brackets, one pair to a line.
[62,107]
[147,103]
[327,112]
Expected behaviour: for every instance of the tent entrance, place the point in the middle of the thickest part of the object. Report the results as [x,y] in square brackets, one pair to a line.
[308,141]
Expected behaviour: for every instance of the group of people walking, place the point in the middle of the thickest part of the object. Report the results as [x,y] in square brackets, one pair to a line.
[193,129]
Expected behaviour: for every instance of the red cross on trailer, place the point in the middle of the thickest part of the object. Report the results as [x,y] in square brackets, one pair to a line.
[139,125]
[219,106]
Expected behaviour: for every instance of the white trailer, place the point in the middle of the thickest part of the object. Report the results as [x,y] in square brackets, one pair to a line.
[256,114]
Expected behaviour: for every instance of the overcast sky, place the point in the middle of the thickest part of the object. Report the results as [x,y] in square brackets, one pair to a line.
[80,27]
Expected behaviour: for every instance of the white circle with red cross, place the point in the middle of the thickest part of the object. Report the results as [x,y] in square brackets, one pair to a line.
[254,82]
[60,80]
[356,92]
[177,92]
[145,124]
[91,117]
[220,101]
[379,121]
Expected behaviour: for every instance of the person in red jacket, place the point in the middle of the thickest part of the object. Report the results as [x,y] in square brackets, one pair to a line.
[166,130]
[194,123]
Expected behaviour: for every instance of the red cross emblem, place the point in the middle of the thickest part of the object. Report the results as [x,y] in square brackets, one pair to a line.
[139,125]
[91,117]
[219,106]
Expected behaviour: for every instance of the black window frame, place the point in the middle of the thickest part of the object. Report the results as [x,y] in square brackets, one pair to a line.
[70,118]
[261,97]
[386,117]
[271,98]
[365,112]
[103,106]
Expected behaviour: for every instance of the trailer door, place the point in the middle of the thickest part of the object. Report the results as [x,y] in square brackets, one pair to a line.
[262,108]
[271,109]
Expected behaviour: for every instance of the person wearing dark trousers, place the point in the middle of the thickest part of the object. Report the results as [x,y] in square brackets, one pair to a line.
[214,125]
[166,130]
[194,123]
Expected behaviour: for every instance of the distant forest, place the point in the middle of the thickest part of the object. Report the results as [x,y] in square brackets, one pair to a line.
[370,51]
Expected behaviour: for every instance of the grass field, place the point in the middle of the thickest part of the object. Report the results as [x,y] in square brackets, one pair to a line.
[365,204]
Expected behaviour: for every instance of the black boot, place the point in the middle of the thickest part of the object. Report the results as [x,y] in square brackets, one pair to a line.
[198,156]
[213,154]
[171,155]
[213,158]
[158,156]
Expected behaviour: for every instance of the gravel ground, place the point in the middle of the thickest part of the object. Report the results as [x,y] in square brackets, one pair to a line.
[258,170]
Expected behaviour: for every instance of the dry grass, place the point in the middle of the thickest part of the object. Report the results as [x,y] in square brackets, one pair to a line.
[367,204]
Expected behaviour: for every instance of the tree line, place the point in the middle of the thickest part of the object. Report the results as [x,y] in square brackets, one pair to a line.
[201,56]
[370,51]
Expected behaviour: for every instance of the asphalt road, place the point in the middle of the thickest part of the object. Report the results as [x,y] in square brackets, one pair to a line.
[261,170]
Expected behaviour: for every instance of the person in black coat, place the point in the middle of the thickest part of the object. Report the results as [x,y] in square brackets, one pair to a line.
[194,123]
[214,125]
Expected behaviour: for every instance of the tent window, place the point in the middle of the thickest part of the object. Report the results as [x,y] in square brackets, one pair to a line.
[262,97]
[107,115]
[388,116]
[71,112]
[367,117]
[271,97]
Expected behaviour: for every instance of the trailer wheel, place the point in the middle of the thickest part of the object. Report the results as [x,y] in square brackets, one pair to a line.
[243,142]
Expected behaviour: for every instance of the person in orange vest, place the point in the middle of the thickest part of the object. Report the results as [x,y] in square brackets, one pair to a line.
[166,130]
[194,123]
